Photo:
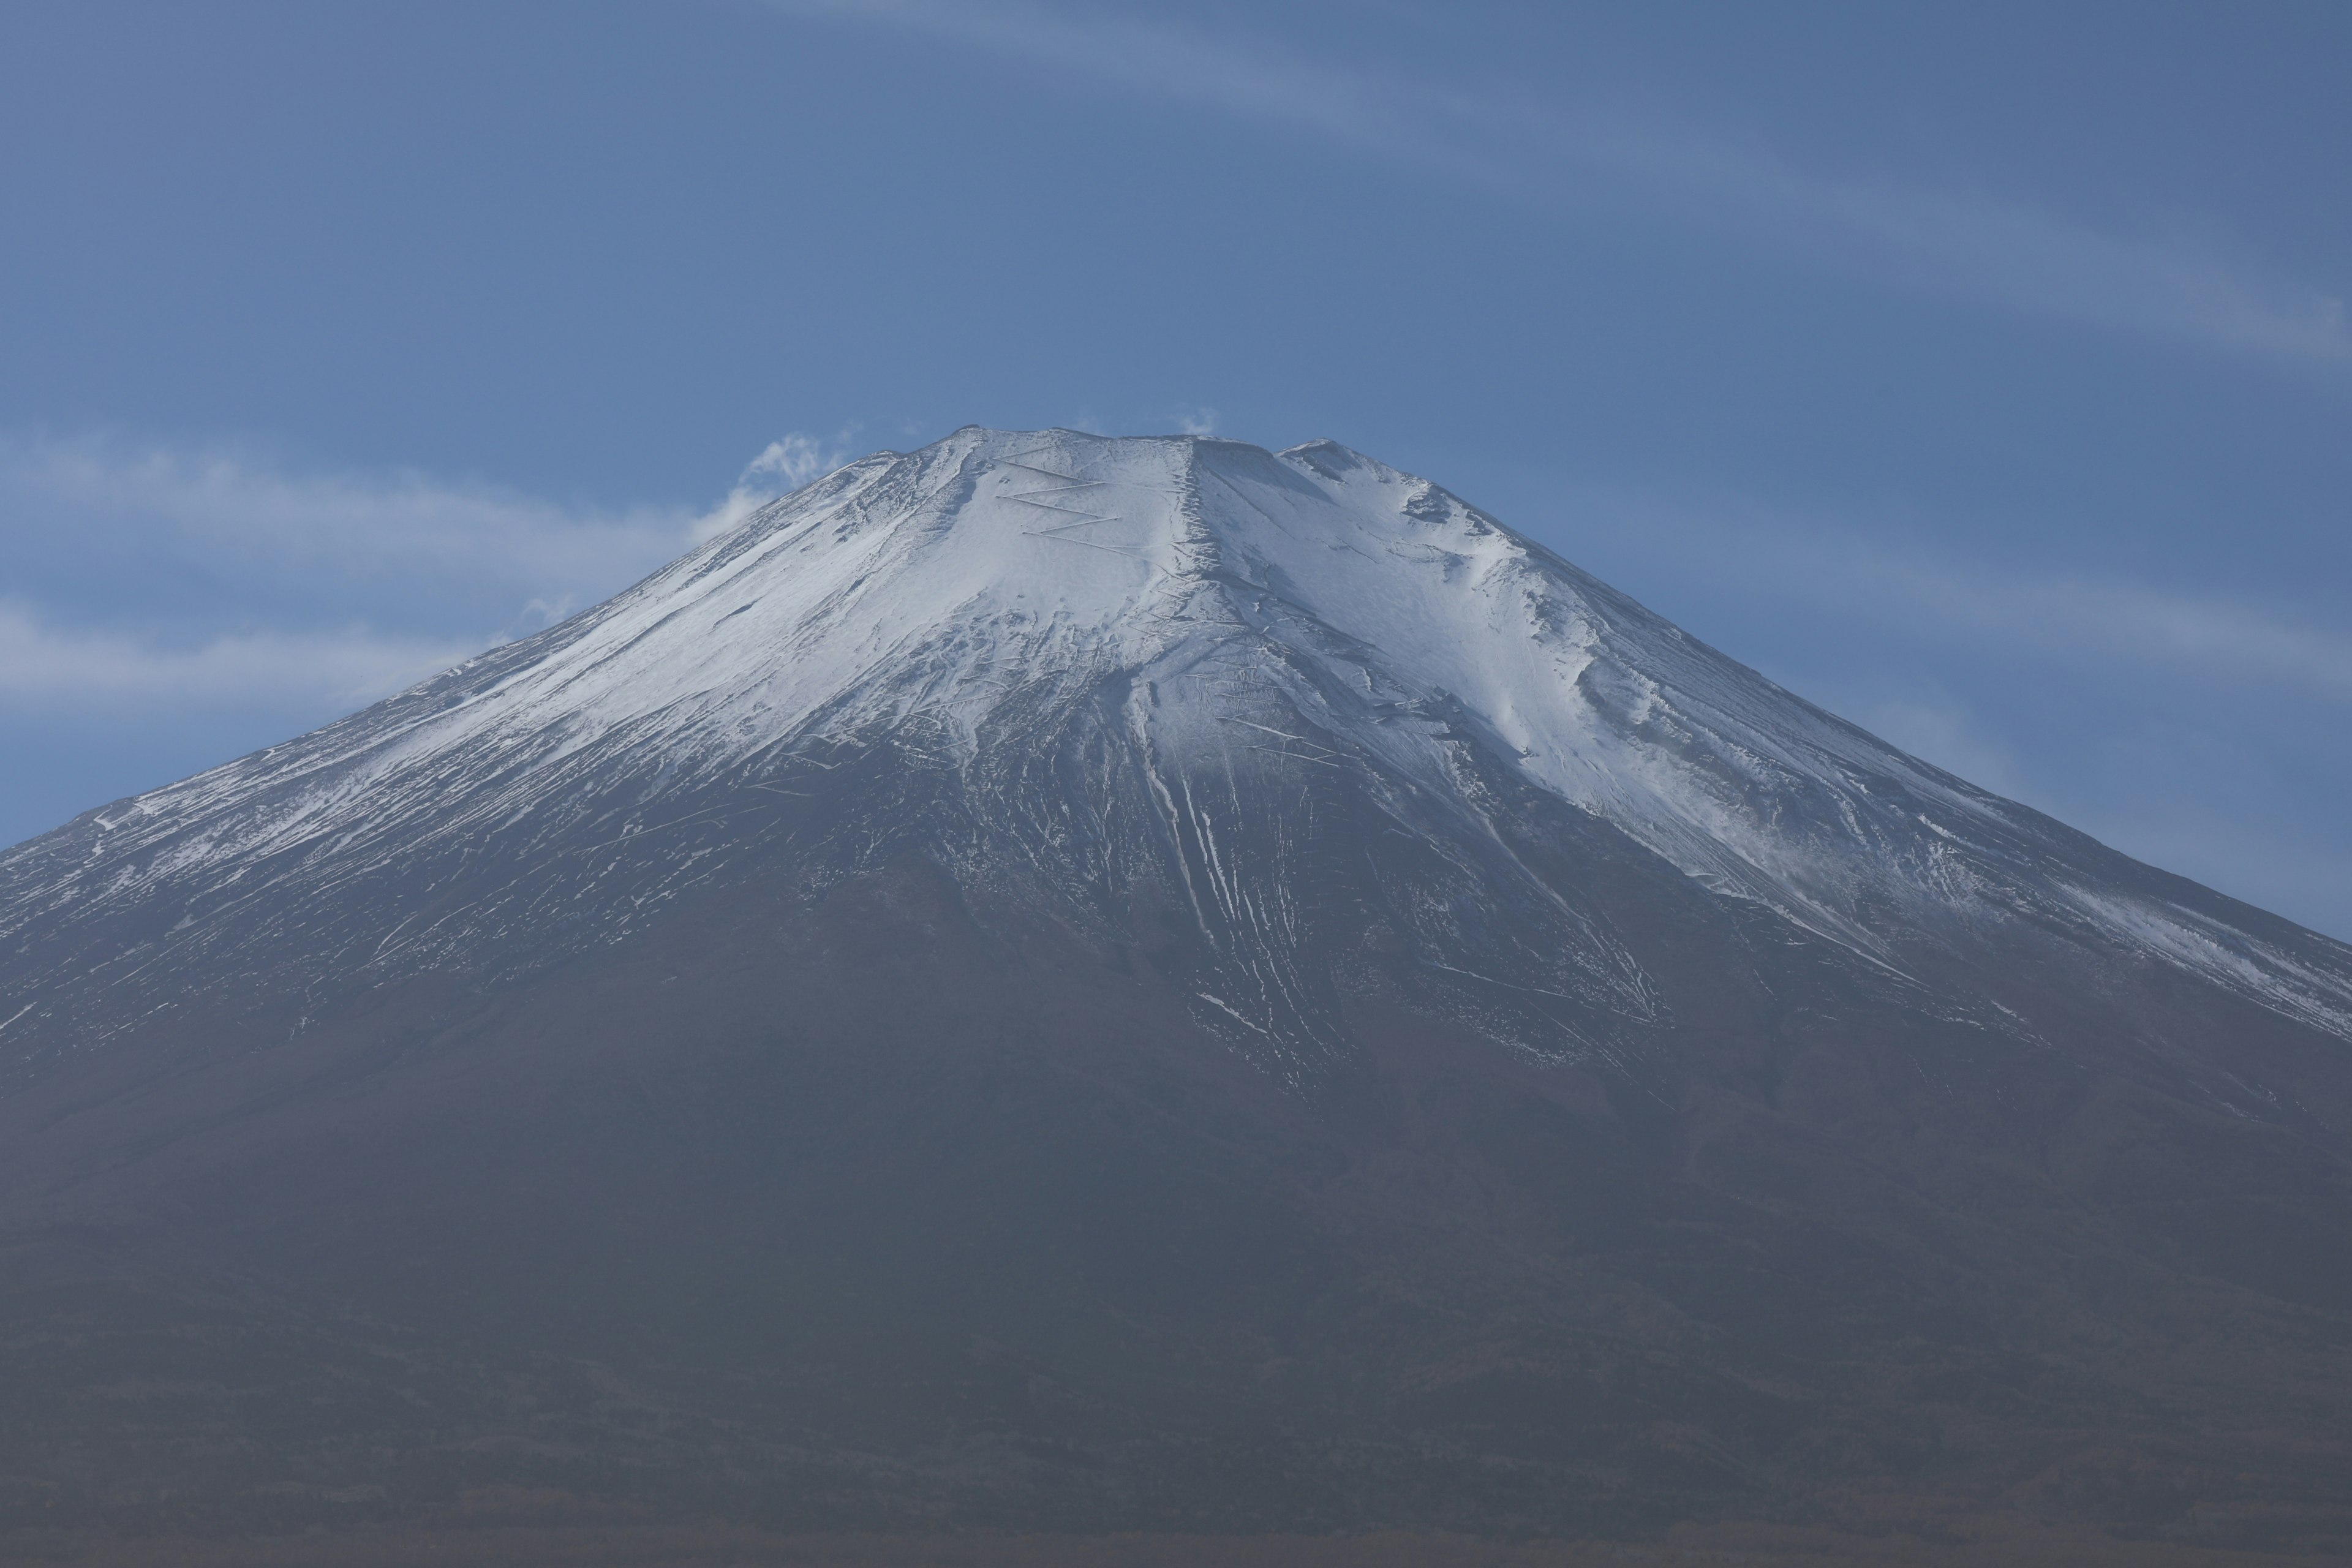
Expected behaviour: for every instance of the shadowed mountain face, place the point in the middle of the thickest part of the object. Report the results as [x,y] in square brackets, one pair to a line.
[1083,984]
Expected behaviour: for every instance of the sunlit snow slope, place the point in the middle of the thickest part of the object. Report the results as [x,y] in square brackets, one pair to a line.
[1272,702]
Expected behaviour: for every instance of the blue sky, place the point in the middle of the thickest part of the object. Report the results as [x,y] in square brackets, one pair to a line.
[1980,372]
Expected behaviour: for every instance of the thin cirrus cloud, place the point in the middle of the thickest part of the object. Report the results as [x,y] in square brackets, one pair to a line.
[42,664]
[2070,613]
[299,575]
[1953,243]
[327,522]
[2072,617]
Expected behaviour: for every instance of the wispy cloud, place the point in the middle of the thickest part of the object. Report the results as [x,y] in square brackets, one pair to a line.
[1946,731]
[43,665]
[1965,244]
[1860,576]
[331,522]
[2073,613]
[783,467]
[453,567]
[1979,245]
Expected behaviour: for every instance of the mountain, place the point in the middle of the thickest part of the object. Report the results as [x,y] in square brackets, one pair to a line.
[1091,984]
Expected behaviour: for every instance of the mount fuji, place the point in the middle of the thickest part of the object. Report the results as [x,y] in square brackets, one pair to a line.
[1082,982]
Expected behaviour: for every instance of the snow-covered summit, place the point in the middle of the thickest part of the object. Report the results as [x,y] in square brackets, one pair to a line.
[1116,653]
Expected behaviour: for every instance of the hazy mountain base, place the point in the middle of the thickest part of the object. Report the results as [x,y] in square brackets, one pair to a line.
[1951,1539]
[842,1214]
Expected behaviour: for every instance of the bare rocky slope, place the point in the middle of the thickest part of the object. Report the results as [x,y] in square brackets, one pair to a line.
[1092,983]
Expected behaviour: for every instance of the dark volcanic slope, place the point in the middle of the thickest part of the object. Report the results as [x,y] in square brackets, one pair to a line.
[1089,983]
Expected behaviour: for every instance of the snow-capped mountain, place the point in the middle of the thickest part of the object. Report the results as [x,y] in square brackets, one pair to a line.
[1112,668]
[1061,983]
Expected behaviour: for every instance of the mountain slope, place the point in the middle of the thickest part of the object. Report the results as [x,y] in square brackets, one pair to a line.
[1172,960]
